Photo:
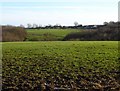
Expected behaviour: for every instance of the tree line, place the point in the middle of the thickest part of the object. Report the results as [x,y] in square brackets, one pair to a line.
[58,26]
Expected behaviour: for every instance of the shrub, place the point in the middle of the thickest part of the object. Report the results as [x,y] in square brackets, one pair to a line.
[106,33]
[11,33]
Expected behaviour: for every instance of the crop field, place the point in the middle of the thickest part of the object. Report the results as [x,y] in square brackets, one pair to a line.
[48,34]
[72,64]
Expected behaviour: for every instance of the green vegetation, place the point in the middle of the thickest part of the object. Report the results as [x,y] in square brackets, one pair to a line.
[48,34]
[106,33]
[60,64]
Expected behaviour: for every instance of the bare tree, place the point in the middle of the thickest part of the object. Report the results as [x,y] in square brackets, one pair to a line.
[29,25]
[111,22]
[35,25]
[105,23]
[21,25]
[76,23]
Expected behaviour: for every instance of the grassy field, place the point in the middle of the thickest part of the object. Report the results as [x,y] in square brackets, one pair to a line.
[48,34]
[83,65]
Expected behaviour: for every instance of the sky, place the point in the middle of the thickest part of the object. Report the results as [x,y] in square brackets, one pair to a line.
[64,12]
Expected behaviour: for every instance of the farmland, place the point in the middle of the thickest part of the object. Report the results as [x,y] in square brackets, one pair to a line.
[48,34]
[70,64]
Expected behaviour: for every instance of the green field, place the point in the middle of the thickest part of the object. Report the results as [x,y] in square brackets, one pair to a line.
[64,64]
[48,34]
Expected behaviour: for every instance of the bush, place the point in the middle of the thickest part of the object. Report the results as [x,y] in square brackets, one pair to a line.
[11,33]
[106,33]
[82,35]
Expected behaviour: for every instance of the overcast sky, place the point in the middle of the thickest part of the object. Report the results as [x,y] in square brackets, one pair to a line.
[64,12]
